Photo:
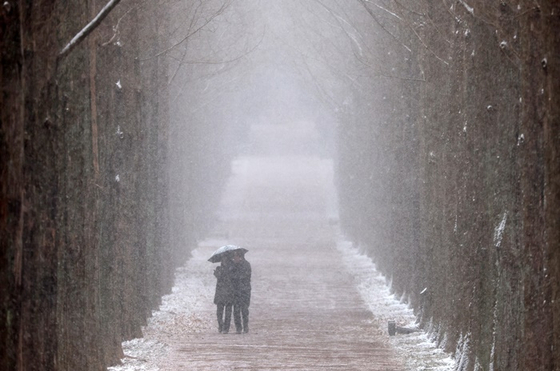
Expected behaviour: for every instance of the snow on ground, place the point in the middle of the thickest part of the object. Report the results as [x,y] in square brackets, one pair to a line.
[418,350]
[194,288]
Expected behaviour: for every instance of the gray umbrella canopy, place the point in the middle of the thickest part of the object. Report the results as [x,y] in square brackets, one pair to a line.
[218,254]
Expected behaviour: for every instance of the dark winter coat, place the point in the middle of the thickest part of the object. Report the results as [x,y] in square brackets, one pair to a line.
[224,286]
[241,281]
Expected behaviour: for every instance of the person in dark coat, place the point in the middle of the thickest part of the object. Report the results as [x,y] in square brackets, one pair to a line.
[225,294]
[241,282]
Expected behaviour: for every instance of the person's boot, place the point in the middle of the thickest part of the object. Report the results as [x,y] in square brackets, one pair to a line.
[225,327]
[246,324]
[238,327]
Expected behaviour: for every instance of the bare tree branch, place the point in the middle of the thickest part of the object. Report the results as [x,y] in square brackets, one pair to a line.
[372,15]
[220,11]
[231,60]
[116,27]
[80,36]
[340,20]
[191,24]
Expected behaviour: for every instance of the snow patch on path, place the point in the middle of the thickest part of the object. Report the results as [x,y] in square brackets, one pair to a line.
[186,308]
[180,312]
[420,353]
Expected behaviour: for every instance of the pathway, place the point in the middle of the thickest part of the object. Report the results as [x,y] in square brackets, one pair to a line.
[307,311]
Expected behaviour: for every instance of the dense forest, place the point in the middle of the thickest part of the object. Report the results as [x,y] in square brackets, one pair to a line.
[85,201]
[446,137]
[464,215]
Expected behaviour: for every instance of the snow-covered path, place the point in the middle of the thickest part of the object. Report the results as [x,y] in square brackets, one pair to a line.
[317,303]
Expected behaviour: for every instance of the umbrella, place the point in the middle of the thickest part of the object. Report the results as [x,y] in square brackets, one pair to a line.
[218,254]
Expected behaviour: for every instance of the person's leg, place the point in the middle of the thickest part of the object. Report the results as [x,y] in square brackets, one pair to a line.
[237,317]
[245,314]
[220,314]
[227,320]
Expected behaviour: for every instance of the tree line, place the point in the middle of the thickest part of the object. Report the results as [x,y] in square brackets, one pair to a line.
[448,174]
[446,131]
[88,246]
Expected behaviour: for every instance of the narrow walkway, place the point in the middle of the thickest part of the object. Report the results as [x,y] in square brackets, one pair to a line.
[306,313]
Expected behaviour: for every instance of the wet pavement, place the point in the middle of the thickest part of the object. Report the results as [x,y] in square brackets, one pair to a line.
[306,312]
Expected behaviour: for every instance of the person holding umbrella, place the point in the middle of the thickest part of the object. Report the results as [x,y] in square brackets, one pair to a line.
[228,285]
[241,282]
[224,295]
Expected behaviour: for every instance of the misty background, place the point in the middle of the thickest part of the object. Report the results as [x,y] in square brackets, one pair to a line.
[440,120]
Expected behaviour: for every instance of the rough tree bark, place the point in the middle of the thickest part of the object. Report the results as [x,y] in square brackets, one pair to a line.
[487,154]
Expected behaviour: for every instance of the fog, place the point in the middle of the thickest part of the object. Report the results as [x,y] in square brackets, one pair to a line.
[259,78]
[260,64]
[388,165]
[394,98]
